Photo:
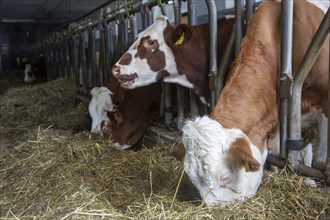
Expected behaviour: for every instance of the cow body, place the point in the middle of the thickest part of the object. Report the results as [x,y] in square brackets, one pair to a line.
[250,99]
[135,111]
[173,54]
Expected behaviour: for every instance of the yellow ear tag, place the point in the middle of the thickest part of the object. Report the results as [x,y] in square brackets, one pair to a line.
[247,167]
[180,40]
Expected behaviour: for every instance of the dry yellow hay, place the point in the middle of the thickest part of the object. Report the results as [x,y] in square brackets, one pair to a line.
[51,171]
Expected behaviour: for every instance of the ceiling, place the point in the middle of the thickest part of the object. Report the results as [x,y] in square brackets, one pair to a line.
[46,11]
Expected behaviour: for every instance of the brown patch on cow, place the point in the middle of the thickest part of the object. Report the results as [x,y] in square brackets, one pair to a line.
[149,49]
[162,74]
[241,153]
[126,59]
[193,54]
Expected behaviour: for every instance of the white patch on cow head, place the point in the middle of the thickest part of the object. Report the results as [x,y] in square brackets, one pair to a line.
[100,103]
[210,162]
[29,76]
[148,60]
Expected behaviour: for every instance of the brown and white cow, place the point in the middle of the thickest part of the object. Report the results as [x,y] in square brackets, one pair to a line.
[135,111]
[223,163]
[173,54]
[99,105]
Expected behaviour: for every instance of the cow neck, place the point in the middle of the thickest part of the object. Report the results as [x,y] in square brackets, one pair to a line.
[249,99]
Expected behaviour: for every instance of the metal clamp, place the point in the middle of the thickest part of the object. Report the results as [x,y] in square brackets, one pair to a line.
[295,144]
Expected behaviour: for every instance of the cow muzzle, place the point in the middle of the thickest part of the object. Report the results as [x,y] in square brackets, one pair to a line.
[126,80]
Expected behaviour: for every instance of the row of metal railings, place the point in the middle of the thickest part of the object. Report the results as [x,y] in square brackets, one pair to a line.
[88,48]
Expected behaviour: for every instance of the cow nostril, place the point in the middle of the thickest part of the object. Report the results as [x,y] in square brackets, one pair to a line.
[116,70]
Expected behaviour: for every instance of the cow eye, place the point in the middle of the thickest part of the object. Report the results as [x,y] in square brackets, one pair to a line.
[151,42]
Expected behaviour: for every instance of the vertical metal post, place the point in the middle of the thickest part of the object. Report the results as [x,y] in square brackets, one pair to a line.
[91,62]
[224,65]
[134,26]
[102,57]
[179,89]
[63,58]
[67,57]
[239,25]
[192,20]
[57,60]
[109,51]
[305,66]
[212,9]
[148,14]
[327,165]
[286,71]
[82,63]
[73,59]
[167,90]
[249,9]
[143,17]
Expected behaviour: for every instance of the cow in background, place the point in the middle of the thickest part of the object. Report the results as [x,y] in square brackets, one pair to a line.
[173,54]
[35,72]
[131,114]
[99,105]
[39,68]
[29,76]
[223,164]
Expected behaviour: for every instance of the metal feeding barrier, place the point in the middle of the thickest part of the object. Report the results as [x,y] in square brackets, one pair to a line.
[89,47]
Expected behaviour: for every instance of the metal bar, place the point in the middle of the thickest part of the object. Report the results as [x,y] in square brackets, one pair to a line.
[109,51]
[179,89]
[143,17]
[91,62]
[134,26]
[224,65]
[163,9]
[148,14]
[73,60]
[167,90]
[249,9]
[300,168]
[192,20]
[82,63]
[286,71]
[239,22]
[212,9]
[67,58]
[327,164]
[306,64]
[102,58]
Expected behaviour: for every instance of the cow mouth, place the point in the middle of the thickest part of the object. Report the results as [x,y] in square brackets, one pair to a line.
[127,80]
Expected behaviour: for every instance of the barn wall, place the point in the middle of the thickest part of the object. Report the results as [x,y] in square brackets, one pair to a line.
[15,38]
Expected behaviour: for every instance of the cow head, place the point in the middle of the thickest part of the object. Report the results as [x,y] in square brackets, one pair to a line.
[148,60]
[222,163]
[29,76]
[100,104]
[122,133]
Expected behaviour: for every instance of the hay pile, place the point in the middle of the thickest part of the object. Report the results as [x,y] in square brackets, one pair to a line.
[51,171]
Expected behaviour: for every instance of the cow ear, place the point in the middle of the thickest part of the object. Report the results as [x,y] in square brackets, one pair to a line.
[241,154]
[114,117]
[181,34]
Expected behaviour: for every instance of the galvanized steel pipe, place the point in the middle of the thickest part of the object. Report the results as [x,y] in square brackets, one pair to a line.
[239,24]
[286,71]
[212,9]
[306,64]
